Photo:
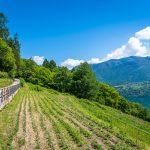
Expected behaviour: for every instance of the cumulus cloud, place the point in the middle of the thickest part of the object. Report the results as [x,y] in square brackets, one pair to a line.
[38,59]
[136,46]
[94,61]
[70,63]
[143,34]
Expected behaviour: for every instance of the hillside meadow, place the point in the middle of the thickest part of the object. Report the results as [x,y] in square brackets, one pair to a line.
[40,118]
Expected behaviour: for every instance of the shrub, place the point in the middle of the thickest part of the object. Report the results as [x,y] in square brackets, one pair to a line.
[22,82]
[3,74]
[35,87]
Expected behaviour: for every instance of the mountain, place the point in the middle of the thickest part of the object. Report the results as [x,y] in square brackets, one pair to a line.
[130,76]
[126,70]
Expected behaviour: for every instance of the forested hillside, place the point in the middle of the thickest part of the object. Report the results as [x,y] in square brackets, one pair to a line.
[136,92]
[121,71]
[130,76]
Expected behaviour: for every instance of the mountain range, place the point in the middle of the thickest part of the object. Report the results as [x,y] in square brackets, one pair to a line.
[121,71]
[130,76]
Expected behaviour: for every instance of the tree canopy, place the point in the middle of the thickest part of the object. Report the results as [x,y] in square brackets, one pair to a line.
[84,83]
[7,60]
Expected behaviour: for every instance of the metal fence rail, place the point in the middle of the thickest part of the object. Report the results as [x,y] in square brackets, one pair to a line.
[7,93]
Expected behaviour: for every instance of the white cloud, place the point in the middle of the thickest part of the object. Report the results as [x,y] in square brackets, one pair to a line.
[143,34]
[94,61]
[38,59]
[136,46]
[70,63]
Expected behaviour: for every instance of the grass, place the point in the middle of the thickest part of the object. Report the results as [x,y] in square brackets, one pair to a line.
[4,82]
[53,120]
[96,146]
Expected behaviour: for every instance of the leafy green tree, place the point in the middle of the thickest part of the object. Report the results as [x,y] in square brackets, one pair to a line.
[29,71]
[44,77]
[52,65]
[109,96]
[15,45]
[7,59]
[62,80]
[46,63]
[4,32]
[84,83]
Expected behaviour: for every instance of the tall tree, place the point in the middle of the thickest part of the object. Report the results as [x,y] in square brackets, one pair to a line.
[84,84]
[15,45]
[62,80]
[4,32]
[46,63]
[52,65]
[7,59]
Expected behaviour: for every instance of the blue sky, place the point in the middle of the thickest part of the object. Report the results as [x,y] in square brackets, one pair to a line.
[76,29]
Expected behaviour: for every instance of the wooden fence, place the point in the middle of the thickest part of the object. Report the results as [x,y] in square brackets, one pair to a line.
[7,93]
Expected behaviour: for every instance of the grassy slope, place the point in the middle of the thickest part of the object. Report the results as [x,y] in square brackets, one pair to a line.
[5,82]
[50,120]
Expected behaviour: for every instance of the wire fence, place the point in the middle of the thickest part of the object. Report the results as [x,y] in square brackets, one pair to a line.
[7,93]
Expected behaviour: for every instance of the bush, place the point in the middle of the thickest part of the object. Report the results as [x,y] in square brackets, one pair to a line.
[22,82]
[35,87]
[3,74]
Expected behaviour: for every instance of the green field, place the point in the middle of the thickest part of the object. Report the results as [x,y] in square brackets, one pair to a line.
[51,120]
[5,82]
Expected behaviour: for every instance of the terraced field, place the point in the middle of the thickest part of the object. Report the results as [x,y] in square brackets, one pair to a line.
[51,120]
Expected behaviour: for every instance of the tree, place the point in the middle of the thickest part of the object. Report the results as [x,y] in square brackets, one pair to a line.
[84,84]
[62,80]
[44,77]
[15,45]
[7,59]
[29,71]
[109,96]
[4,32]
[52,65]
[46,63]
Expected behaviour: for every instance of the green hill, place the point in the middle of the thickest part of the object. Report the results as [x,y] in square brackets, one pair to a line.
[47,119]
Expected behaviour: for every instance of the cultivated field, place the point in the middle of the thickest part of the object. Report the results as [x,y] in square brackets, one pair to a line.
[50,120]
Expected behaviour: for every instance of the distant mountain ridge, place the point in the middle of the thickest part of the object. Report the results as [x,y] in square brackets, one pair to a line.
[130,76]
[126,70]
